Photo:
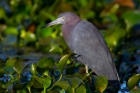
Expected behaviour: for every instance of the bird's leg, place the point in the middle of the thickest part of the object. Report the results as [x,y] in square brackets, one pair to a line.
[86,67]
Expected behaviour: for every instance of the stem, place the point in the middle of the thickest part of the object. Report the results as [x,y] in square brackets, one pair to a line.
[29,90]
[86,67]
[56,82]
[44,90]
[73,90]
[62,91]
[91,72]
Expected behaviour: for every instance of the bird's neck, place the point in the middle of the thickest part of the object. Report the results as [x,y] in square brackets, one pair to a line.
[67,30]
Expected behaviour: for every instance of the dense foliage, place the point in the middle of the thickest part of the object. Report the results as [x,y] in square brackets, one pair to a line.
[38,60]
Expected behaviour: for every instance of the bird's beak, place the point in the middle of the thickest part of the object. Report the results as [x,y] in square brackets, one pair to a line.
[55,22]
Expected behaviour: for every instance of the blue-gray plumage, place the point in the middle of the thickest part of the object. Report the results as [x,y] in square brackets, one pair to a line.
[84,39]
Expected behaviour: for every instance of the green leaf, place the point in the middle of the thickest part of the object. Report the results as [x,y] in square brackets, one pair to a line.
[22,91]
[9,69]
[85,76]
[2,12]
[81,89]
[27,36]
[54,91]
[19,66]
[101,83]
[10,62]
[83,3]
[18,86]
[110,17]
[112,37]
[89,15]
[11,30]
[62,62]
[70,90]
[133,81]
[30,37]
[45,32]
[9,85]
[46,62]
[46,82]
[131,18]
[37,84]
[2,71]
[56,49]
[46,73]
[33,69]
[134,91]
[74,81]
[63,84]
[28,85]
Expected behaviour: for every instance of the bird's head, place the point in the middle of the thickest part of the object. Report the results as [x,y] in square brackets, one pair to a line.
[65,18]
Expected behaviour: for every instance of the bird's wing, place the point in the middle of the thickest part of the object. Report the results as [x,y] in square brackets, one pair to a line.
[93,50]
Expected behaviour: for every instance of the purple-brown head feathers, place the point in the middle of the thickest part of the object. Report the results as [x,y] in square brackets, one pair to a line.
[65,18]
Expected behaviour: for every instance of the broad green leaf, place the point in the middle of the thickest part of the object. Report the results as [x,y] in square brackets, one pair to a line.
[45,32]
[110,17]
[11,30]
[70,90]
[46,73]
[2,71]
[77,74]
[19,66]
[23,34]
[9,69]
[134,91]
[81,89]
[53,91]
[63,84]
[28,85]
[33,69]
[27,36]
[37,84]
[62,62]
[42,41]
[131,17]
[30,37]
[133,81]
[83,3]
[113,36]
[9,85]
[2,12]
[56,49]
[85,76]
[18,86]
[74,81]
[46,82]
[46,62]
[10,62]
[101,83]
[22,91]
[89,14]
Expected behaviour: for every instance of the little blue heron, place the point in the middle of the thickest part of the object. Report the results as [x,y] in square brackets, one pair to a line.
[84,39]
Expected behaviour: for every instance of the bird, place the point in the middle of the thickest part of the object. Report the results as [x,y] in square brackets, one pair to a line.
[85,40]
